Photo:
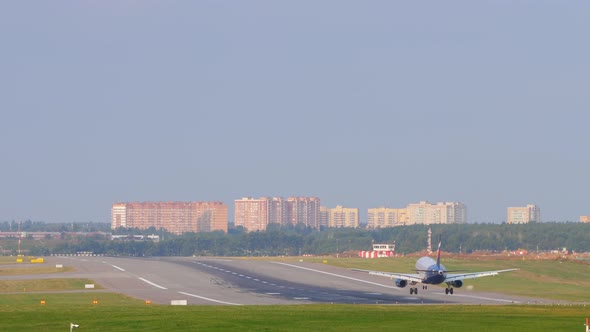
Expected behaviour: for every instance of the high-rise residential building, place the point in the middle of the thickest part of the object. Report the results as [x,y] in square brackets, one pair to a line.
[417,213]
[174,217]
[277,210]
[324,216]
[452,213]
[343,217]
[440,213]
[303,210]
[119,215]
[252,213]
[255,214]
[524,214]
[386,217]
[585,219]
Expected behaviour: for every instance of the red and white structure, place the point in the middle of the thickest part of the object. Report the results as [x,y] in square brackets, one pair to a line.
[379,250]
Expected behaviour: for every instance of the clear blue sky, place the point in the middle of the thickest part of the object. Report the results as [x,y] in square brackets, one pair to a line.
[361,103]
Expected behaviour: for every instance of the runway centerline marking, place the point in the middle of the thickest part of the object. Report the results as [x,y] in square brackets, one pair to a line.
[118,268]
[208,299]
[151,283]
[337,275]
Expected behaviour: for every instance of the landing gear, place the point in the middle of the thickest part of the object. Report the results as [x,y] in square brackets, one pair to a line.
[413,290]
[449,289]
[424,287]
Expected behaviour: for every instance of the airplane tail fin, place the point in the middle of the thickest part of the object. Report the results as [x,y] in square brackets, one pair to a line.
[438,253]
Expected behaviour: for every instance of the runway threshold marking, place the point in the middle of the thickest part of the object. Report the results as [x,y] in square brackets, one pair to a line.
[337,275]
[151,283]
[208,299]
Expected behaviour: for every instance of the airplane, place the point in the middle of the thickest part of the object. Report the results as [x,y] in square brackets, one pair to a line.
[431,272]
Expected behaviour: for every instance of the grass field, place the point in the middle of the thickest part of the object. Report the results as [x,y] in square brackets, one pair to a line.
[32,269]
[116,312]
[12,268]
[44,285]
[12,260]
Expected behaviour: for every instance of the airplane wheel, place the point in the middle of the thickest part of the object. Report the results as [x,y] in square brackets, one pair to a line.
[411,291]
[446,291]
[451,291]
[416,290]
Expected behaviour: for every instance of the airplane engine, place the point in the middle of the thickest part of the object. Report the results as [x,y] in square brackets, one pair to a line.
[457,283]
[401,283]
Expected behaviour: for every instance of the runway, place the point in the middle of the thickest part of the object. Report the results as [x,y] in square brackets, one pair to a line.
[237,281]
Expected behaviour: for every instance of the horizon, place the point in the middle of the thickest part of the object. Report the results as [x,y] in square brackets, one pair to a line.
[361,105]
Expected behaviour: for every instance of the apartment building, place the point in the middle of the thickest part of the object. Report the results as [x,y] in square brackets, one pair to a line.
[439,213]
[303,210]
[324,216]
[251,213]
[343,217]
[277,210]
[423,213]
[174,217]
[255,214]
[523,215]
[386,217]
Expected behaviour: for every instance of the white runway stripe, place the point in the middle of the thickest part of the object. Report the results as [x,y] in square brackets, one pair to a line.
[337,275]
[208,299]
[151,283]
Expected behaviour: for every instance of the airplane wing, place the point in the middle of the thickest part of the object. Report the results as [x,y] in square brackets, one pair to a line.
[461,276]
[392,275]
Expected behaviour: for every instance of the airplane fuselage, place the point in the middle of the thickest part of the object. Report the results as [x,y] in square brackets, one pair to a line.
[430,272]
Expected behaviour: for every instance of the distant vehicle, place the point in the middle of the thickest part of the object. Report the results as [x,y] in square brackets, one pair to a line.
[431,272]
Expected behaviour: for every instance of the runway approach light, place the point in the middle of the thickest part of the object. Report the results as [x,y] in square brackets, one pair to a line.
[72,325]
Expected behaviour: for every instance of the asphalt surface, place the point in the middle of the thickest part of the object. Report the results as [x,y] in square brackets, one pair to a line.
[218,281]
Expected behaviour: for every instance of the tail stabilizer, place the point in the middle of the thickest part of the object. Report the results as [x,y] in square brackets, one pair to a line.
[438,253]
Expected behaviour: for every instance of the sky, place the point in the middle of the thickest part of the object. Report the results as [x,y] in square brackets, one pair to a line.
[360,103]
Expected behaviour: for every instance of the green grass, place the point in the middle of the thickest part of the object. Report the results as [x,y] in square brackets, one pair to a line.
[114,312]
[32,269]
[4,260]
[26,267]
[42,285]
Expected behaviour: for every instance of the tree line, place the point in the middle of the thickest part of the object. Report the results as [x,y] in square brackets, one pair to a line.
[300,240]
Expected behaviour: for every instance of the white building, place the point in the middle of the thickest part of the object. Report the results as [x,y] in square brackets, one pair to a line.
[524,214]
[439,213]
